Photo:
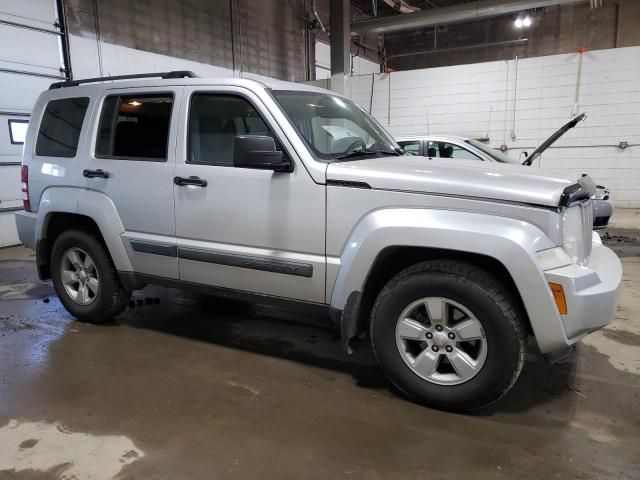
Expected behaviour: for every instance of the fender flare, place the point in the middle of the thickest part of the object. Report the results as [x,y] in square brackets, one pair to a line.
[95,205]
[511,242]
[102,210]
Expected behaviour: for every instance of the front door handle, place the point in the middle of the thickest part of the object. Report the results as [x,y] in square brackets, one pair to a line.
[95,173]
[195,181]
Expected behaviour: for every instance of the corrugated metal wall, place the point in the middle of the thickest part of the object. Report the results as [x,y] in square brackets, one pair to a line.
[265,38]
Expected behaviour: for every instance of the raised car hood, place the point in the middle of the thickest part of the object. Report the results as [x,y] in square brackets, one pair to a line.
[470,178]
[553,138]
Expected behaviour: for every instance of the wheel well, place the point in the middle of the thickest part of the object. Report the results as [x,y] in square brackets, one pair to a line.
[393,260]
[56,224]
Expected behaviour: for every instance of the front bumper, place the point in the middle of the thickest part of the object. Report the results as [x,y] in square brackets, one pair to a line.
[26,226]
[591,291]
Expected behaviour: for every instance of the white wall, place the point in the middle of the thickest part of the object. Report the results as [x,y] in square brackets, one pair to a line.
[360,65]
[478,99]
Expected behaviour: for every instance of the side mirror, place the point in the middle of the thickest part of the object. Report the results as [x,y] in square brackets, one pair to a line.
[259,151]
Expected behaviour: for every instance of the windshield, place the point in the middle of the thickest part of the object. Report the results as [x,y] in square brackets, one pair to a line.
[333,127]
[497,155]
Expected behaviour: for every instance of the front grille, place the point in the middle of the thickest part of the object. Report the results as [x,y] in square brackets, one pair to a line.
[587,229]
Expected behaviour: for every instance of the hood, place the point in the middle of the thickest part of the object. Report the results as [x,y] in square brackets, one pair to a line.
[469,178]
[552,139]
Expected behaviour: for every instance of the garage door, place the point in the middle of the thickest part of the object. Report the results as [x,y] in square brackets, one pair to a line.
[31,57]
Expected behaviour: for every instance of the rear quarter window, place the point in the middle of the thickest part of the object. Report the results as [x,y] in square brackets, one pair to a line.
[60,127]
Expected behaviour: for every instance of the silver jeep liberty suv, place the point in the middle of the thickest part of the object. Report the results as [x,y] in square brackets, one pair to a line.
[289,193]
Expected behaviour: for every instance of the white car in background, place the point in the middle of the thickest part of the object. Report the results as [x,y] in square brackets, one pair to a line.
[467,148]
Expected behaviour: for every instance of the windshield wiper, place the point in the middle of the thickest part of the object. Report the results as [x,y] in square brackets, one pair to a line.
[363,152]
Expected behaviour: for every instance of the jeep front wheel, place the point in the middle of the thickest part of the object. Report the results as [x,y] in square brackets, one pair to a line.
[448,334]
[85,279]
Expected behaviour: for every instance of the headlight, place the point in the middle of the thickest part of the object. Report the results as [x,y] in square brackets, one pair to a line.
[577,225]
[572,232]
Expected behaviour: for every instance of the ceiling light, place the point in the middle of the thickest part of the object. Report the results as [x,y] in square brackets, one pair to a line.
[135,103]
[527,21]
[518,22]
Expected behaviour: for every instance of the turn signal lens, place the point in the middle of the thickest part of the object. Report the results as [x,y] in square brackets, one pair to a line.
[558,295]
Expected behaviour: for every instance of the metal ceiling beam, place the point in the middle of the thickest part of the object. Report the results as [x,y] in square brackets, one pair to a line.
[339,18]
[459,13]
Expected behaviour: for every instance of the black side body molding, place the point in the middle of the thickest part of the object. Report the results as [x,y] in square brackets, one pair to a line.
[285,267]
[154,248]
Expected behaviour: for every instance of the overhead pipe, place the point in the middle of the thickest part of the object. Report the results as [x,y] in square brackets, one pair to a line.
[503,43]
[441,16]
[401,5]
[317,17]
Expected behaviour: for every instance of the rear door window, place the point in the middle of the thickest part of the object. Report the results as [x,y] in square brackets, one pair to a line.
[60,127]
[135,127]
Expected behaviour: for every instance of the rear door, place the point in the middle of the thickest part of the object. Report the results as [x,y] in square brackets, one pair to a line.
[240,228]
[131,159]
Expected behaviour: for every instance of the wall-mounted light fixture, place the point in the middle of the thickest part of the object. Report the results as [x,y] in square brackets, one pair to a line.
[523,22]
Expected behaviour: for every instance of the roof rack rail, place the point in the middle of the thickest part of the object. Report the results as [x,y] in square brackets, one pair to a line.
[164,75]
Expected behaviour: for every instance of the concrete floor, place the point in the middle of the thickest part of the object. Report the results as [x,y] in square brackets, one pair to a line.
[184,386]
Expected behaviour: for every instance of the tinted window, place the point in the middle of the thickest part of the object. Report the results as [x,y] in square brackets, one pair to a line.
[135,126]
[410,147]
[60,127]
[333,126]
[449,150]
[18,131]
[214,121]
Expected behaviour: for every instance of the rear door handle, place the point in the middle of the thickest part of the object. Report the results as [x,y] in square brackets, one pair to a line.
[195,181]
[95,173]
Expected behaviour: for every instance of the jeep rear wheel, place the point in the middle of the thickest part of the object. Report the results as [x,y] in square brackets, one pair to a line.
[85,279]
[448,335]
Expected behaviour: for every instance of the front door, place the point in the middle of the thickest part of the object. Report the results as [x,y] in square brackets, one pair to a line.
[131,160]
[239,228]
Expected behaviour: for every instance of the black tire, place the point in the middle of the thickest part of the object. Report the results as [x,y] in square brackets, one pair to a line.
[480,293]
[111,298]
